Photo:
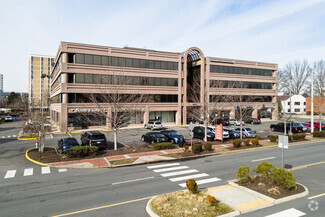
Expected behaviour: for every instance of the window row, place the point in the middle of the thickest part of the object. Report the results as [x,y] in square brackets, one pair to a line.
[240,70]
[121,61]
[122,98]
[56,99]
[232,84]
[121,80]
[239,98]
[56,83]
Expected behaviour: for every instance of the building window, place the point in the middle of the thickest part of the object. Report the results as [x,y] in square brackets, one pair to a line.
[288,110]
[297,103]
[288,103]
[240,70]
[304,110]
[304,103]
[297,110]
[80,78]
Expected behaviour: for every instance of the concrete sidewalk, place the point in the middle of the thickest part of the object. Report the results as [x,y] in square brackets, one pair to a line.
[143,157]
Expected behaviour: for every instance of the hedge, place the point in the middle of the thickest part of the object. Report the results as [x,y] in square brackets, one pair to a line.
[236,143]
[197,148]
[81,151]
[272,138]
[319,134]
[162,145]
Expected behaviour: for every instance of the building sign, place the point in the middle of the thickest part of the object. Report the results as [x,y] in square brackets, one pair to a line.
[218,132]
[86,110]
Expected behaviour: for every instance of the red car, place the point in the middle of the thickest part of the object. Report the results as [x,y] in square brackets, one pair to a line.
[316,125]
[223,122]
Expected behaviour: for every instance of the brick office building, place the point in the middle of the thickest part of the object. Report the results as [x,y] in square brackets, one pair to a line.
[79,69]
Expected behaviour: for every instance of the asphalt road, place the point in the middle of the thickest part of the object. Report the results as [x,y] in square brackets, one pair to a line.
[125,191]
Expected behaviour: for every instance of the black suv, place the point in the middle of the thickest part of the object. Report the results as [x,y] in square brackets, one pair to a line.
[94,138]
[198,132]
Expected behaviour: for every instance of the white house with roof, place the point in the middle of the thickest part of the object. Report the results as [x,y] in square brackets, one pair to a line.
[298,104]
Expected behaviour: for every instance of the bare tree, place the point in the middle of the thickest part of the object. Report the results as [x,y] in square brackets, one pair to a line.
[113,104]
[293,77]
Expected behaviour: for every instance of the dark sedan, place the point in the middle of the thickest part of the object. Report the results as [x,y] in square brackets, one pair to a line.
[173,136]
[233,134]
[153,137]
[66,143]
[253,121]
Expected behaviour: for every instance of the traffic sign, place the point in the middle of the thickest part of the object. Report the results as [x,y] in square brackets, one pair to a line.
[191,126]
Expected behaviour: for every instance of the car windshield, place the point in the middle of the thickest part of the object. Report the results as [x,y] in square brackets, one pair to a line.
[157,123]
[71,142]
[174,133]
[249,129]
[97,137]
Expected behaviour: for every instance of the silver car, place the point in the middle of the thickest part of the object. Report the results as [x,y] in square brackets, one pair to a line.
[247,132]
[153,125]
[236,122]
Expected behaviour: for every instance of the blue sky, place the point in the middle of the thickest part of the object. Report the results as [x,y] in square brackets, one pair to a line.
[277,31]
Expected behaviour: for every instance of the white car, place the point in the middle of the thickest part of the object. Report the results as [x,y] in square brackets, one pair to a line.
[8,118]
[236,122]
[153,125]
[225,133]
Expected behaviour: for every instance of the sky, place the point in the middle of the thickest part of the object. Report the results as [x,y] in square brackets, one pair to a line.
[277,31]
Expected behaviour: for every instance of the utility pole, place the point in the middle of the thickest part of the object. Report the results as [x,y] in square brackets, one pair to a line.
[312,101]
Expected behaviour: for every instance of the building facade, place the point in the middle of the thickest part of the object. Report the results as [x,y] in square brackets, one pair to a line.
[165,77]
[319,105]
[39,87]
[1,86]
[294,104]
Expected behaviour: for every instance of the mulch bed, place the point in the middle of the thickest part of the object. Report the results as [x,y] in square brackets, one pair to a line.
[244,147]
[48,156]
[263,189]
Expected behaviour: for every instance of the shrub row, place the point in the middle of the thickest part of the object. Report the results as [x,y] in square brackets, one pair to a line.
[81,151]
[162,145]
[237,142]
[296,136]
[319,134]
[269,173]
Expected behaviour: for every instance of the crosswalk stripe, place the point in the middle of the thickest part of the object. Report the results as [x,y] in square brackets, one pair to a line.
[203,181]
[8,136]
[28,172]
[163,165]
[172,168]
[188,177]
[292,212]
[62,170]
[179,173]
[14,136]
[46,170]
[10,174]
[3,137]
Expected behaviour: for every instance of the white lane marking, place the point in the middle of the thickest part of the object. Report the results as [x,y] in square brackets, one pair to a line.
[28,172]
[203,181]
[8,136]
[163,165]
[46,170]
[134,180]
[292,212]
[179,173]
[3,137]
[268,158]
[170,169]
[10,174]
[69,134]
[52,136]
[62,170]
[189,177]
[14,136]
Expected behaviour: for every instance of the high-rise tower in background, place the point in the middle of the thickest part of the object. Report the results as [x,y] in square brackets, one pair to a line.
[38,65]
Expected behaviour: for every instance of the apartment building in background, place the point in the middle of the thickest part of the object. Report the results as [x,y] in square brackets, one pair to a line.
[38,65]
[166,77]
[294,104]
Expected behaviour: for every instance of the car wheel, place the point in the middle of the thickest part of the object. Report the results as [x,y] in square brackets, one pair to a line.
[152,142]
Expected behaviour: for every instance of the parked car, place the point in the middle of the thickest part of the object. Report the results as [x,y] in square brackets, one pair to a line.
[252,121]
[233,134]
[153,125]
[236,122]
[304,128]
[154,137]
[225,133]
[247,132]
[66,143]
[316,125]
[224,122]
[94,138]
[295,127]
[8,118]
[198,132]
[173,136]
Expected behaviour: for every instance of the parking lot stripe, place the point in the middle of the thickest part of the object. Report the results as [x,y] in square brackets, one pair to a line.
[203,181]
[163,165]
[62,170]
[268,158]
[292,212]
[188,177]
[28,172]
[179,173]
[171,168]
[46,170]
[10,174]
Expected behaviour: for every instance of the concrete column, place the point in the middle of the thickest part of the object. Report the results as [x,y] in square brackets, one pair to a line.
[232,114]
[275,112]
[109,118]
[65,98]
[63,119]
[64,57]
[146,115]
[178,117]
[184,115]
[254,113]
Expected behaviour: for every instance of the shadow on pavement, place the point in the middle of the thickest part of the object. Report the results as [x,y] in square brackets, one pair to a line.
[110,145]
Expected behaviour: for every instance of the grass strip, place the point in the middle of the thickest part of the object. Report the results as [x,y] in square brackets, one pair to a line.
[124,161]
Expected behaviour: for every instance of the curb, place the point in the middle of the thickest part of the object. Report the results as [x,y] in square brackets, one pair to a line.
[152,214]
[60,133]
[33,161]
[24,139]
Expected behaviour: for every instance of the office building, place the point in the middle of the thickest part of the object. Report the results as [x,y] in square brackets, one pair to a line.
[166,77]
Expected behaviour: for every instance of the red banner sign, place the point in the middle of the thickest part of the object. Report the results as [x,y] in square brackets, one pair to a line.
[218,132]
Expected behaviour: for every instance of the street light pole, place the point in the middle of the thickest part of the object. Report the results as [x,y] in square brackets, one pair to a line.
[312,102]
[41,133]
